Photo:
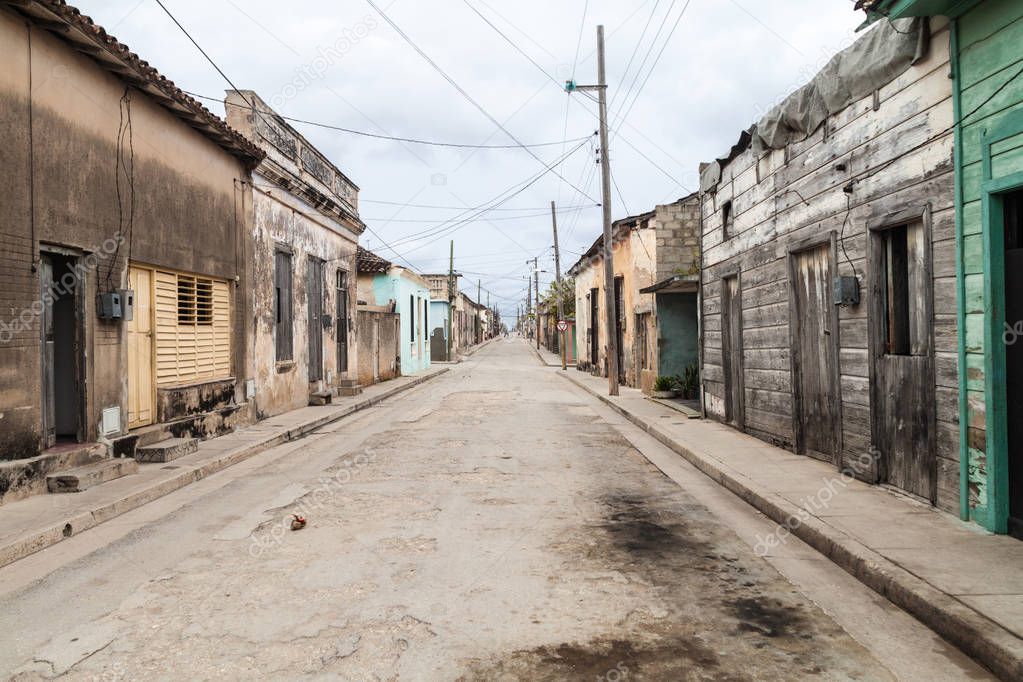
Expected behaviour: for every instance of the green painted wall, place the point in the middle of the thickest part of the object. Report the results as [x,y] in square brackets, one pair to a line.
[678,341]
[990,35]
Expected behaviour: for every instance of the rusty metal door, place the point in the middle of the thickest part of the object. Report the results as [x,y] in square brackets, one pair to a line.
[314,299]
[141,387]
[813,325]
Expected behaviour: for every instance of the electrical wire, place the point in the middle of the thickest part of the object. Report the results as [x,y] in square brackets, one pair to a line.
[462,208]
[460,89]
[393,138]
[579,40]
[546,213]
[512,43]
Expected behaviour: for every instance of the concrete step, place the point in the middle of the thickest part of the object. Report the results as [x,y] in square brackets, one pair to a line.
[82,478]
[167,450]
[320,398]
[349,391]
[348,383]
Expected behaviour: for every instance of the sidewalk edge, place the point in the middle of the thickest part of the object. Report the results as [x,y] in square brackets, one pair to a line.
[976,635]
[36,541]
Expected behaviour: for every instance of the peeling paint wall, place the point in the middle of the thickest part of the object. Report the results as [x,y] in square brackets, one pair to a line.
[189,216]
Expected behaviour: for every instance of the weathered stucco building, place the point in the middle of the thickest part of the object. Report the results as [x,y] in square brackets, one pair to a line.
[305,230]
[114,180]
[829,297]
[656,264]
[443,290]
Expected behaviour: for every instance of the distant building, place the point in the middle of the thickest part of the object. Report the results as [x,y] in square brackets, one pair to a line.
[383,284]
[656,259]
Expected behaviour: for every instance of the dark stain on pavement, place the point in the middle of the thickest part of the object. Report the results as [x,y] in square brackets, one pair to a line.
[644,533]
[769,617]
[664,658]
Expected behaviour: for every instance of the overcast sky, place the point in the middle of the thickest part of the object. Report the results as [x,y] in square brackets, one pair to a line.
[341,63]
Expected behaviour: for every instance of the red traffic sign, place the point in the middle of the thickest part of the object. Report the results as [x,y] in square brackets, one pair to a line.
[562,325]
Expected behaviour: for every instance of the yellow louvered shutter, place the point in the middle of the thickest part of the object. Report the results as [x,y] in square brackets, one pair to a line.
[193,328]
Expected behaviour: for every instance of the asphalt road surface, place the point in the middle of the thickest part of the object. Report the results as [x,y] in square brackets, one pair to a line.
[494,523]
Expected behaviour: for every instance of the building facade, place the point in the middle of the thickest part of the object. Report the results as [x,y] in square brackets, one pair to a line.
[829,251]
[656,258]
[987,104]
[125,292]
[305,229]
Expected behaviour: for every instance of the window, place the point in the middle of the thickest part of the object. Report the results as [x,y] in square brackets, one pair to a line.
[904,287]
[283,306]
[726,218]
[195,300]
[412,318]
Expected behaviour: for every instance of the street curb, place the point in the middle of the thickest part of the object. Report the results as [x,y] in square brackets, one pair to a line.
[36,541]
[977,636]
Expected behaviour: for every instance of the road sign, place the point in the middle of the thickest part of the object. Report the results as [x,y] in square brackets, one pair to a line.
[562,325]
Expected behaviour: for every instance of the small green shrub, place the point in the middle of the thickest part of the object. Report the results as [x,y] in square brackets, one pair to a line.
[664,384]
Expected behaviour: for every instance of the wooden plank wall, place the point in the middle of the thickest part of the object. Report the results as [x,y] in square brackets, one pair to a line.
[899,149]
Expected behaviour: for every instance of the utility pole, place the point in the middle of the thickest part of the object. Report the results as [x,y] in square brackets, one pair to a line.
[451,295]
[479,316]
[560,293]
[605,168]
[529,307]
[536,280]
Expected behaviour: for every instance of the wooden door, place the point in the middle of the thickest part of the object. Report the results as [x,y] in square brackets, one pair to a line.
[902,388]
[731,351]
[594,329]
[814,333]
[49,417]
[620,326]
[141,386]
[314,298]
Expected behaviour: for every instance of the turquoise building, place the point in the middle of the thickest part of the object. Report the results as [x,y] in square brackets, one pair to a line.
[381,283]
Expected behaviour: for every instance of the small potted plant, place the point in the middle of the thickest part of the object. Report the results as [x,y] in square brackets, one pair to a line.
[690,383]
[664,387]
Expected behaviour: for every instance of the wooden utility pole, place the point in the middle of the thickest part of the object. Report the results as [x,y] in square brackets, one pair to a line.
[529,307]
[560,293]
[451,295]
[610,304]
[536,280]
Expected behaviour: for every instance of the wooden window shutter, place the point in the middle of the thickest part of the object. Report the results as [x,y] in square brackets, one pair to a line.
[283,302]
[193,328]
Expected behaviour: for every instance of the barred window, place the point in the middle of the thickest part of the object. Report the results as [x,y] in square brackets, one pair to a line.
[195,301]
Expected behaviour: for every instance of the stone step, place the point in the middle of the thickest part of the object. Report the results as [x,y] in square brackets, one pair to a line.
[348,383]
[167,450]
[348,391]
[320,398]
[82,478]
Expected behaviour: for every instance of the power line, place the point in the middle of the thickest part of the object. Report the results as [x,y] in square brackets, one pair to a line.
[579,40]
[546,214]
[512,43]
[653,66]
[462,208]
[461,90]
[392,138]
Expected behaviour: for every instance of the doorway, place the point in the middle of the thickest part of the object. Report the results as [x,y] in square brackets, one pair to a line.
[594,329]
[731,350]
[62,358]
[1012,206]
[902,415]
[813,328]
[314,299]
[341,296]
[620,326]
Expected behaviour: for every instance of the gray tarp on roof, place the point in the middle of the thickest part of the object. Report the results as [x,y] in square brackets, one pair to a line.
[874,60]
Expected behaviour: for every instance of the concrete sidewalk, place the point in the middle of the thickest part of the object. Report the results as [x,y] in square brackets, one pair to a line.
[547,357]
[37,522]
[962,582]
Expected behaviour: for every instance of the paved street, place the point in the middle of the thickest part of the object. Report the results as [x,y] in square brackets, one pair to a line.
[495,523]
